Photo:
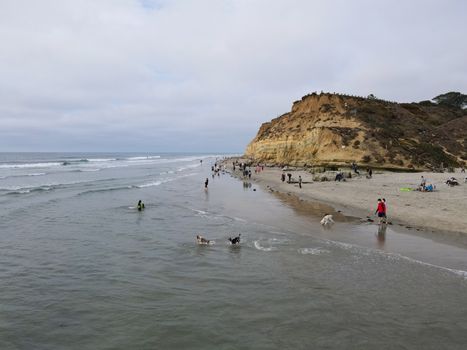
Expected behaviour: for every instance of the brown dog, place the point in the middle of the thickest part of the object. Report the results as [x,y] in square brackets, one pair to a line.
[202,240]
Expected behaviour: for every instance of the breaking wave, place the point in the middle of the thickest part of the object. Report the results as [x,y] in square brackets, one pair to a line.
[30,165]
[162,181]
[23,175]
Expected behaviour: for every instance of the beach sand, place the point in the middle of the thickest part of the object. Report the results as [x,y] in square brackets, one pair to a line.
[444,210]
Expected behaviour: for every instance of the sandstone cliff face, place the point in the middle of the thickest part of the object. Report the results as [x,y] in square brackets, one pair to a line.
[324,129]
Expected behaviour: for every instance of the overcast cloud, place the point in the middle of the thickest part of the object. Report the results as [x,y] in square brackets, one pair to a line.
[150,75]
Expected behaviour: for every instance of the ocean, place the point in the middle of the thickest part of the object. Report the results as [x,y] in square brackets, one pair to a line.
[82,268]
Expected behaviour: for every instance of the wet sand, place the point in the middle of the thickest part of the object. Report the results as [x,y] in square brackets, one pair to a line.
[441,211]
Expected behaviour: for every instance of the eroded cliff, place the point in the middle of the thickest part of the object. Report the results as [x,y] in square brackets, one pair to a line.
[324,129]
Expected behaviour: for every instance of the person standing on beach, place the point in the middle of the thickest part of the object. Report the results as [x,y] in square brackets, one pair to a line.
[289,175]
[283,177]
[381,211]
[300,181]
[423,184]
[206,183]
[385,211]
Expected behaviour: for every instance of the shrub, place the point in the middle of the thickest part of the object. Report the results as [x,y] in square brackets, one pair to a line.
[366,159]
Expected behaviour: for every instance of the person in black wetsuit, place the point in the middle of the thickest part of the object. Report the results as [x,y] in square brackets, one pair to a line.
[140,205]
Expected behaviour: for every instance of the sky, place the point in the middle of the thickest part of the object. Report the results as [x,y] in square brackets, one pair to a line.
[203,75]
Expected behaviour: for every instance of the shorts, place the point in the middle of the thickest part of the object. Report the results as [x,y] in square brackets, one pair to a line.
[381,215]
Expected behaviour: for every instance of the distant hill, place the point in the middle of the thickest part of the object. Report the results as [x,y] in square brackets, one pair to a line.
[335,129]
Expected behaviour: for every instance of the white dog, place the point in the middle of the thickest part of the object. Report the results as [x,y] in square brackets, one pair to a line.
[327,220]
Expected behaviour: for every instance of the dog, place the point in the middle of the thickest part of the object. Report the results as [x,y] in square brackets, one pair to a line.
[235,240]
[202,240]
[327,220]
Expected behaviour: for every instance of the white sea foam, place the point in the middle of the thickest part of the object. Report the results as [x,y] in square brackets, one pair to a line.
[161,181]
[150,184]
[264,249]
[32,189]
[117,162]
[192,166]
[201,212]
[41,187]
[313,251]
[23,175]
[101,159]
[89,170]
[143,158]
[343,245]
[394,256]
[30,165]
[460,273]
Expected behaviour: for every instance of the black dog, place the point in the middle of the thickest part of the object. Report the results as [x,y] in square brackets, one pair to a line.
[235,240]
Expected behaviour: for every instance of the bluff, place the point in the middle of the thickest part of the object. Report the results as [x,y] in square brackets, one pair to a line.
[335,129]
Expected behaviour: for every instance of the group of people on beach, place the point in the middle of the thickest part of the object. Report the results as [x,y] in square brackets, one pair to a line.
[424,187]
[289,176]
[245,169]
[451,181]
[217,169]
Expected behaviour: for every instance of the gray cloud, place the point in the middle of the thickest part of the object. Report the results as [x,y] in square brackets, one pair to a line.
[203,75]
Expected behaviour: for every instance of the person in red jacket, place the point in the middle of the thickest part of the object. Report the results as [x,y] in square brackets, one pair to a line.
[381,211]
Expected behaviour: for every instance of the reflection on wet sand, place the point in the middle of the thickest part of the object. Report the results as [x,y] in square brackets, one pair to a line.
[381,235]
[308,208]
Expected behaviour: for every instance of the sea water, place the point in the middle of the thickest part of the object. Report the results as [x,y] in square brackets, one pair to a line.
[82,268]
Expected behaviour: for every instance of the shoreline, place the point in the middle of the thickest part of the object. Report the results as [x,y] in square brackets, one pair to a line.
[431,214]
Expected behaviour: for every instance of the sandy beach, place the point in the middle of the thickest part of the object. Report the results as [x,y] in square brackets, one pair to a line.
[443,210]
